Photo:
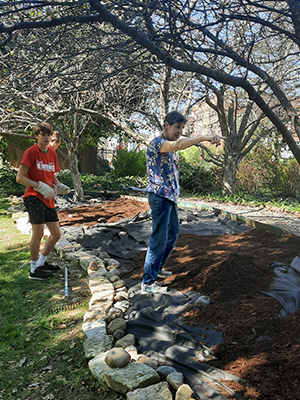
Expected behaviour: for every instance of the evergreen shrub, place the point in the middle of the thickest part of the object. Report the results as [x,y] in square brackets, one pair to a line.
[196,175]
[130,163]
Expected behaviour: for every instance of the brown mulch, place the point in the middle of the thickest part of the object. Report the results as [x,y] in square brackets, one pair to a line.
[108,212]
[233,270]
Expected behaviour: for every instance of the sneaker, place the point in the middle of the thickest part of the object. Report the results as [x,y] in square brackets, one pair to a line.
[49,267]
[153,289]
[40,275]
[163,273]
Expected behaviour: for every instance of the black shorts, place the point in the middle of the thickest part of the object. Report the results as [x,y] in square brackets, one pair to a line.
[38,212]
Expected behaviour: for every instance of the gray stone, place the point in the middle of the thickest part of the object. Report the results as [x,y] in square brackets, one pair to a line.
[113,270]
[159,391]
[97,341]
[118,323]
[202,301]
[98,367]
[99,298]
[118,284]
[164,371]
[94,314]
[114,278]
[122,305]
[109,274]
[119,296]
[20,215]
[133,376]
[85,260]
[98,283]
[184,392]
[151,362]
[132,350]
[112,262]
[118,334]
[95,265]
[117,358]
[104,255]
[112,314]
[126,341]
[175,379]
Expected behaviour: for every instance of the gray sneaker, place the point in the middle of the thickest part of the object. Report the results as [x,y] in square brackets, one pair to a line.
[163,273]
[154,288]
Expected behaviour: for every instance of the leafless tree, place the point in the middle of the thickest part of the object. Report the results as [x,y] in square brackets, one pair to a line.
[43,79]
[195,36]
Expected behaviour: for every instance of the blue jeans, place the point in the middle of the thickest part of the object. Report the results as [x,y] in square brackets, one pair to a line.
[165,230]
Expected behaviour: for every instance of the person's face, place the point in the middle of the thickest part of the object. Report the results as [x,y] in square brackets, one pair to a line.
[173,132]
[55,143]
[43,140]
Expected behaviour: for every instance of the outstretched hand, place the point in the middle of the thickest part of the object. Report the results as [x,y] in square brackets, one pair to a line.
[216,139]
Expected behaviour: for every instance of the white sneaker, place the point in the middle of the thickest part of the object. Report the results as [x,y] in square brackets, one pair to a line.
[154,288]
[163,273]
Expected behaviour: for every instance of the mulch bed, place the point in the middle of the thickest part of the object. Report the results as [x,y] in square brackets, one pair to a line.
[233,270]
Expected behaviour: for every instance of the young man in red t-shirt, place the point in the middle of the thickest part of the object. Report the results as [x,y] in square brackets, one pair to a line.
[37,171]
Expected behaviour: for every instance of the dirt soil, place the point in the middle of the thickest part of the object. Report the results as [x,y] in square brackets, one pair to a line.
[233,270]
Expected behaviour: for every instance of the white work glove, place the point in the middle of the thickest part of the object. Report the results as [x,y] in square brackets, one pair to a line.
[45,190]
[60,188]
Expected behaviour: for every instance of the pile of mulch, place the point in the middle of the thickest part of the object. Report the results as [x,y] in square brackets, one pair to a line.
[233,270]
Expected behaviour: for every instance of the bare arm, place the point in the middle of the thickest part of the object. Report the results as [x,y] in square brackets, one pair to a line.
[22,177]
[184,143]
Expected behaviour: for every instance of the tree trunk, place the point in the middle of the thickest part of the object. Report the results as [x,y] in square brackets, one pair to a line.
[229,177]
[76,177]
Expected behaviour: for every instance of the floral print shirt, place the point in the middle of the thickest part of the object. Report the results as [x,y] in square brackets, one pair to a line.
[162,171]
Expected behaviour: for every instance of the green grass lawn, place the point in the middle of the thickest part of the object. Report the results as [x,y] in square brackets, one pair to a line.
[41,345]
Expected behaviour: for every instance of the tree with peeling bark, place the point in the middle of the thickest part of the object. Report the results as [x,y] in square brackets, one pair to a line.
[195,36]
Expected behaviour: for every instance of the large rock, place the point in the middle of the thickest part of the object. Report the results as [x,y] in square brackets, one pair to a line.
[126,341]
[97,341]
[164,371]
[184,392]
[134,376]
[117,358]
[98,367]
[116,324]
[160,391]
[175,379]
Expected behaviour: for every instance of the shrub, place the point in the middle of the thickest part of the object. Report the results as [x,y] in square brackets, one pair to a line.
[108,181]
[8,182]
[200,178]
[130,163]
[262,171]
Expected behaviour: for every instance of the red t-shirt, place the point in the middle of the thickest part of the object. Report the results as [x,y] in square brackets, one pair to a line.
[42,167]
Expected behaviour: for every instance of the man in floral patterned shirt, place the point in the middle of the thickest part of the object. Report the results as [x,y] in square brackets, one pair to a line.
[163,193]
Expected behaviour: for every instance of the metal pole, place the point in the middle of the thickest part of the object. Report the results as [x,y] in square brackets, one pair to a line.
[66,284]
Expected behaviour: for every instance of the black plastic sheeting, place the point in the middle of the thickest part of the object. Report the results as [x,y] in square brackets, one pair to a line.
[125,239]
[286,286]
[160,333]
